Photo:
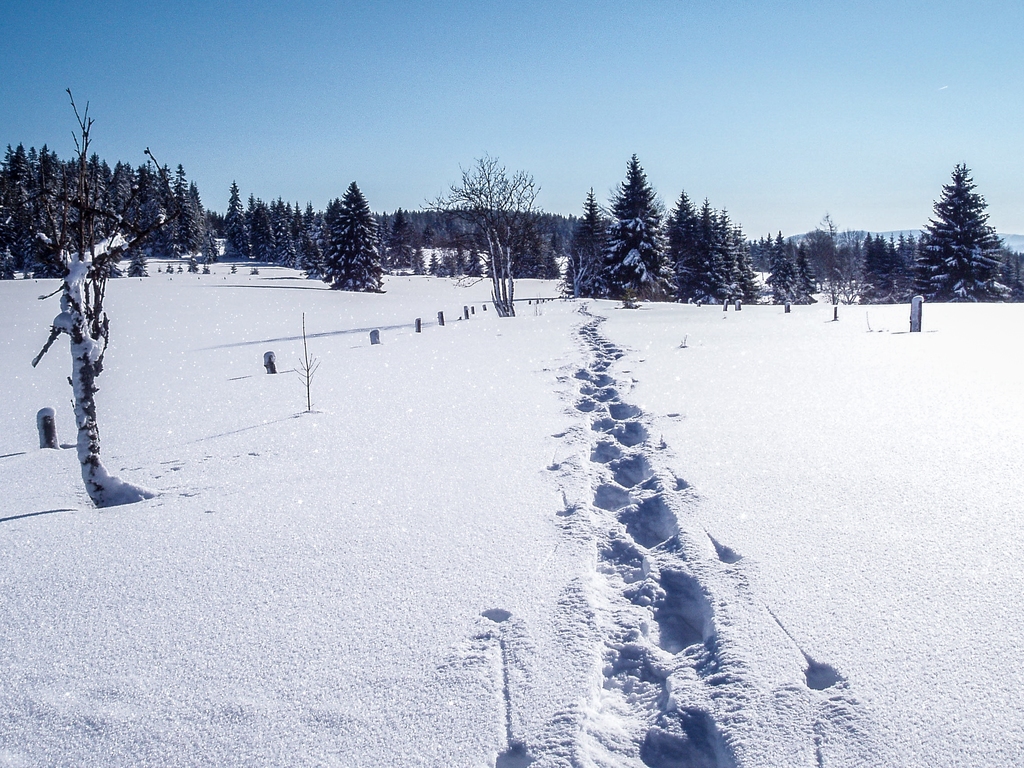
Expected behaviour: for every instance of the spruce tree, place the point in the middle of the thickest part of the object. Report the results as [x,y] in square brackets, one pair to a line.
[805,283]
[584,269]
[6,264]
[235,231]
[137,263]
[682,250]
[959,260]
[399,242]
[881,270]
[747,287]
[210,251]
[635,254]
[709,279]
[352,260]
[783,279]
[261,232]
[310,244]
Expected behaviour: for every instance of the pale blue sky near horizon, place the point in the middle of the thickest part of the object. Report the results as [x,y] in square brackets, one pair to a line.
[778,112]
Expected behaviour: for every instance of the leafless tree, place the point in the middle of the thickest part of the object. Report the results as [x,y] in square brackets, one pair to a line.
[850,263]
[499,207]
[84,239]
[837,260]
[307,366]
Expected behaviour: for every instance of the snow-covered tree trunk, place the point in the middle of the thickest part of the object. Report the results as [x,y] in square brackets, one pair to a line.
[74,214]
[87,351]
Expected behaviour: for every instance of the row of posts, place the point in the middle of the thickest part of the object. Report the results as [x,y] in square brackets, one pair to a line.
[270,360]
[47,425]
[916,305]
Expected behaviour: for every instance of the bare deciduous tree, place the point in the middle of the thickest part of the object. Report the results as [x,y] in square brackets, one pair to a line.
[307,366]
[499,207]
[84,241]
[837,260]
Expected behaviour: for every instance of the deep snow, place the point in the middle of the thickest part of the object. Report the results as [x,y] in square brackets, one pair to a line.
[555,537]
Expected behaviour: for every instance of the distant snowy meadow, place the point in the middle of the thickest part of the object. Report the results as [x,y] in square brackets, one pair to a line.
[584,535]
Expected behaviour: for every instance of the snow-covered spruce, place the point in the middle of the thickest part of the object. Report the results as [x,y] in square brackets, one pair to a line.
[351,258]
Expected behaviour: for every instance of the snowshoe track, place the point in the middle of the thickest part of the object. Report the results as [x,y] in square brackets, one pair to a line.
[672,607]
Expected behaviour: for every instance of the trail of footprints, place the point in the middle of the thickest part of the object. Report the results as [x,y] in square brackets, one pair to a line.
[664,671]
[658,609]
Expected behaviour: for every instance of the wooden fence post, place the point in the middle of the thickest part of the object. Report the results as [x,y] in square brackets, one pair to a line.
[440,318]
[725,305]
[465,313]
[835,312]
[739,305]
[47,425]
[915,313]
[374,336]
[419,325]
[270,362]
[787,307]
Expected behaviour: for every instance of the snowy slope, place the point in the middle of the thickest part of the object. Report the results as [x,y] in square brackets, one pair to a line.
[871,483]
[307,588]
[563,538]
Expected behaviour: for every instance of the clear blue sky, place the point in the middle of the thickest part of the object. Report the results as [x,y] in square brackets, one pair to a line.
[777,111]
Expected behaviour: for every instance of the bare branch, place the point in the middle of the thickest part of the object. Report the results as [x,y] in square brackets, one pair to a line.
[54,333]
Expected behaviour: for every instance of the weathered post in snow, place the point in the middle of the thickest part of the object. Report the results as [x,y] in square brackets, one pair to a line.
[725,305]
[270,362]
[787,307]
[915,313]
[472,310]
[47,425]
[739,305]
[835,312]
[485,307]
[419,325]
[374,336]
[440,318]
[465,313]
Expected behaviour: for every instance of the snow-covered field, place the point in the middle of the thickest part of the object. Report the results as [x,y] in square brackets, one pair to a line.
[564,538]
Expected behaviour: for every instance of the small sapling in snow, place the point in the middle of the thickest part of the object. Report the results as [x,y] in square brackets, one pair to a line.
[307,366]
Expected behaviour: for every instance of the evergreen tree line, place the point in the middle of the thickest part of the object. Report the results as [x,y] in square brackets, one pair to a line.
[407,242]
[958,257]
[435,243]
[633,250]
[31,186]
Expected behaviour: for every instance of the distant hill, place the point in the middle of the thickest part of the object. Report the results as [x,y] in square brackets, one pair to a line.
[1013,242]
